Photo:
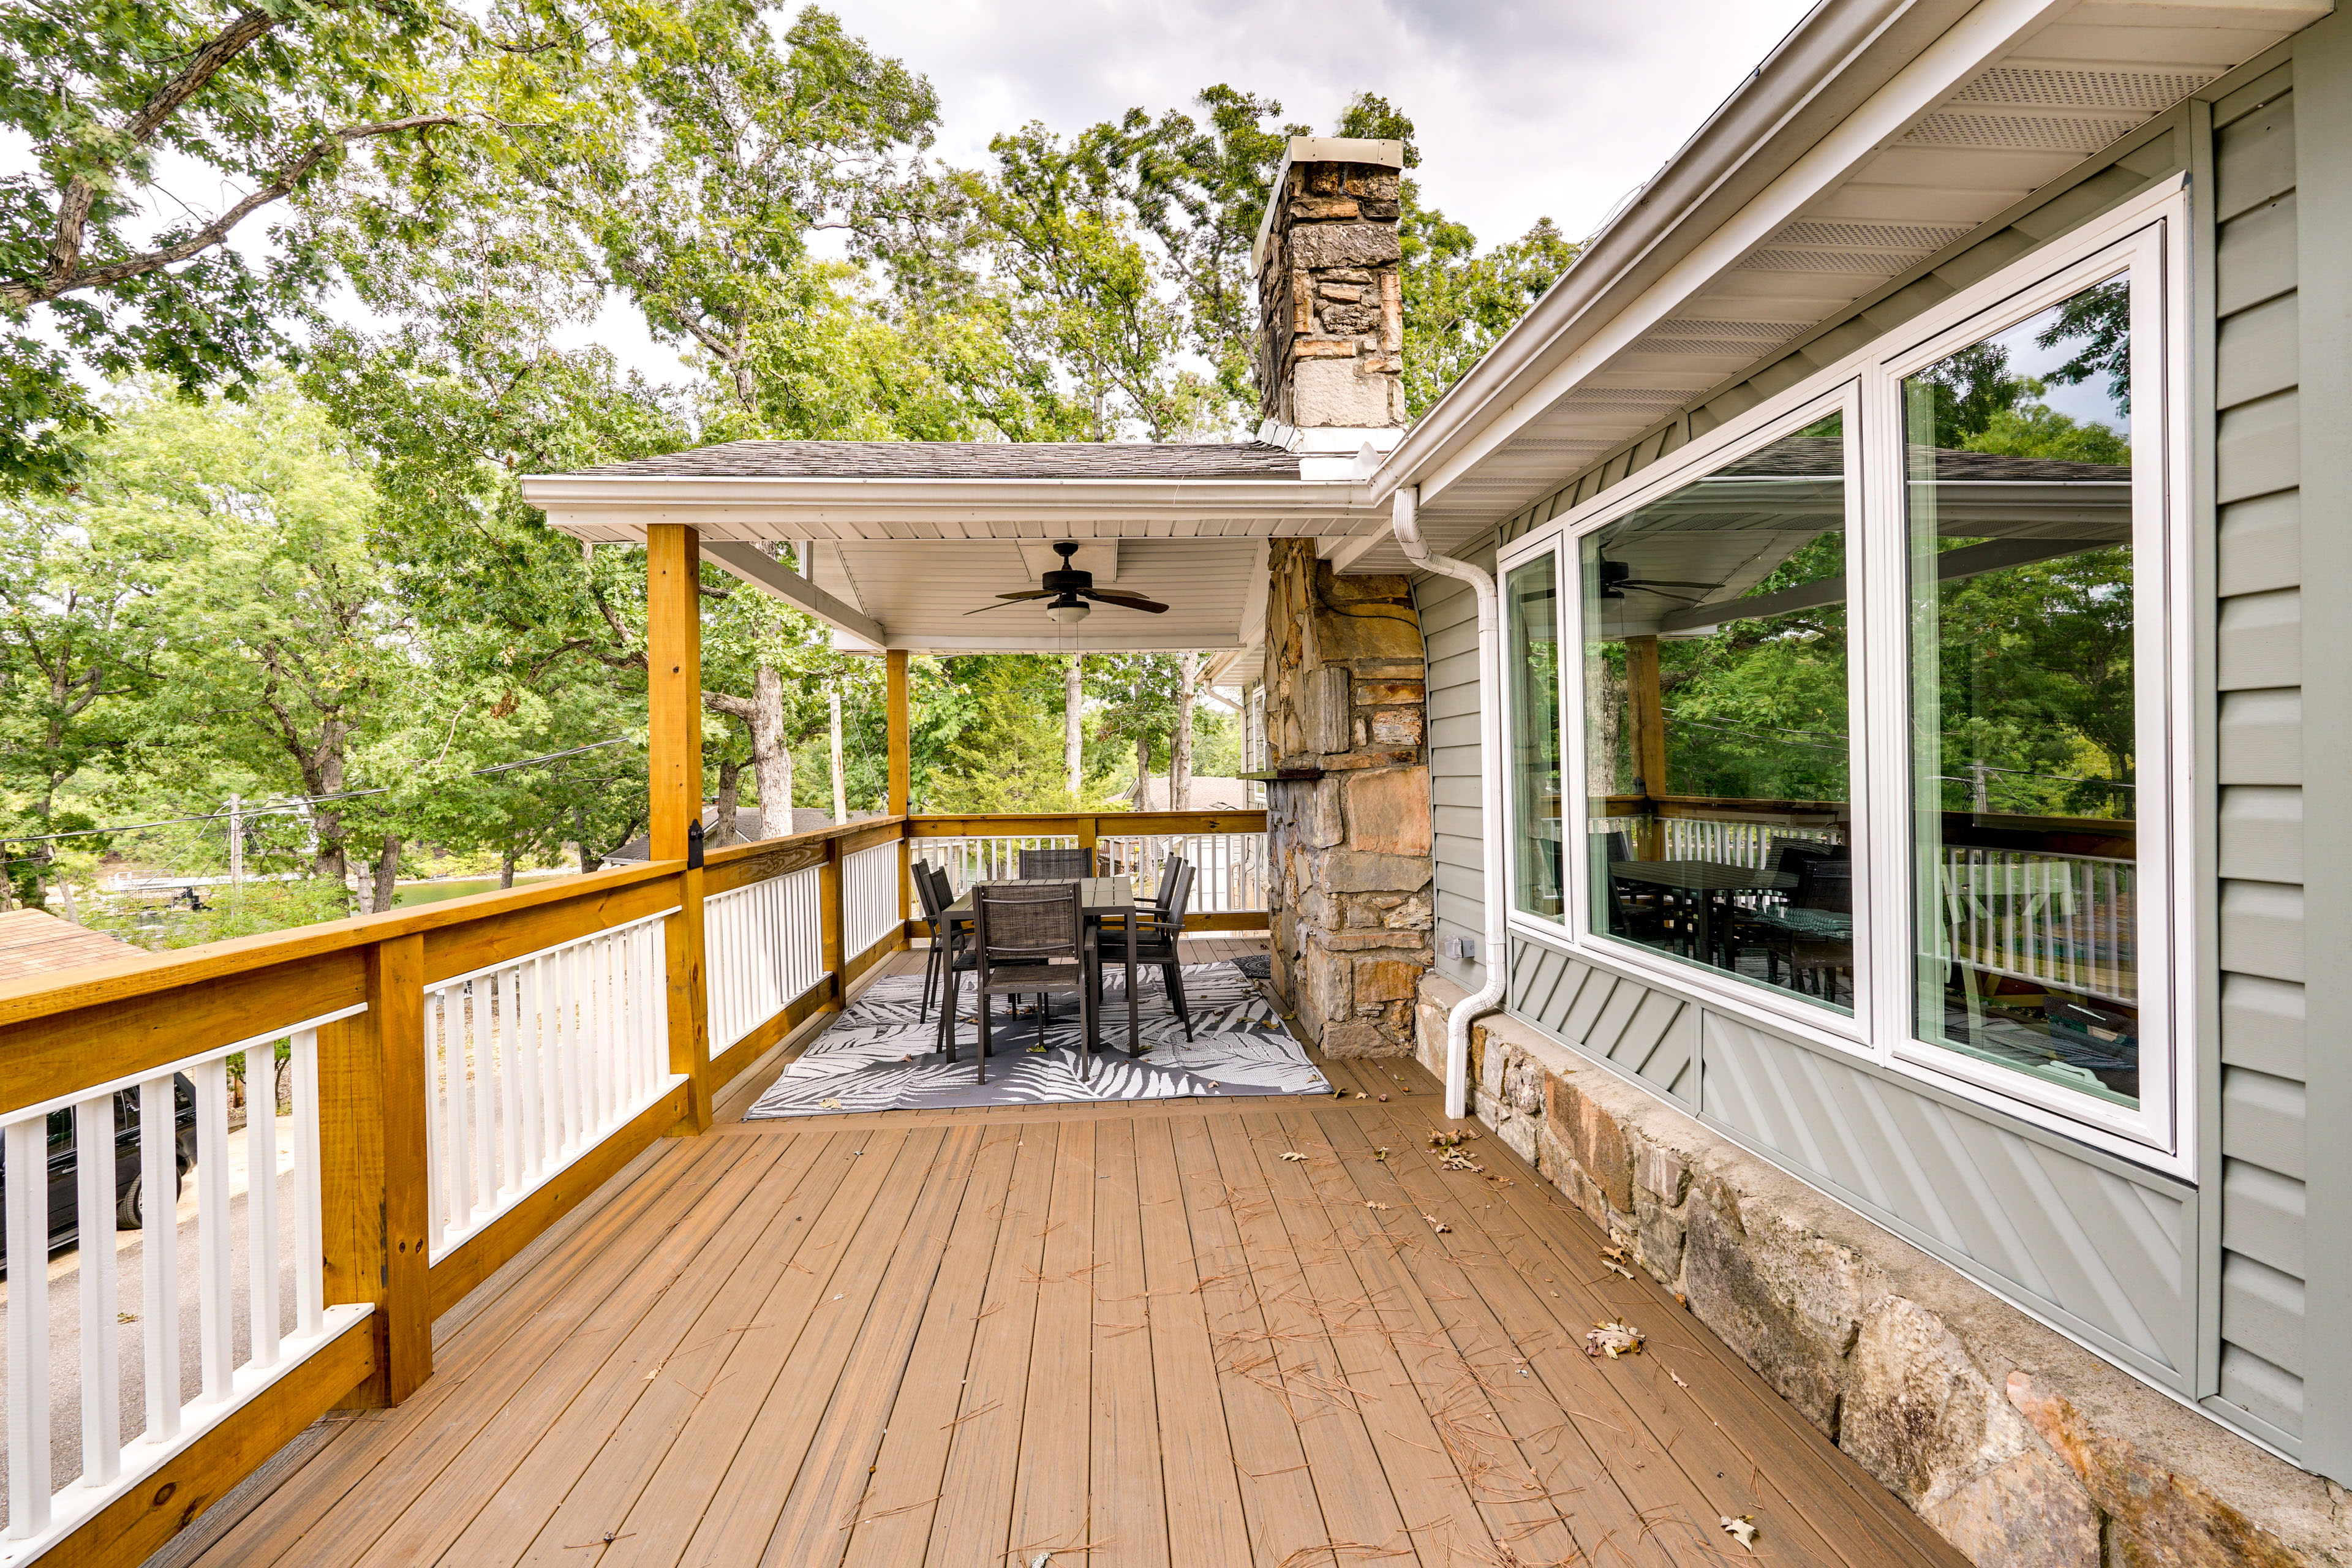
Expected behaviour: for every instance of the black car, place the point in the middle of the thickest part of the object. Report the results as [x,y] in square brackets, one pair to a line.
[65,1196]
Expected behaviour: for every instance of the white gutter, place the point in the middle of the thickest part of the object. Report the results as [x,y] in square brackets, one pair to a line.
[1496,955]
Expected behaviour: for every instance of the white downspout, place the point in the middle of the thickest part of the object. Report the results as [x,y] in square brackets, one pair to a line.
[1496,955]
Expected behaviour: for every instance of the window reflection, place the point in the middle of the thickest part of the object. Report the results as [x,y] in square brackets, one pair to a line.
[2023,738]
[1532,593]
[1714,721]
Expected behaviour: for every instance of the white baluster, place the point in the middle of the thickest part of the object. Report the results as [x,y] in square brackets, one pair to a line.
[261,1203]
[481,1058]
[215,1329]
[26,1154]
[101,1366]
[531,1008]
[510,1153]
[159,1252]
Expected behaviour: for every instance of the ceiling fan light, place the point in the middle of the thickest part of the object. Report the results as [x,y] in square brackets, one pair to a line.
[1070,613]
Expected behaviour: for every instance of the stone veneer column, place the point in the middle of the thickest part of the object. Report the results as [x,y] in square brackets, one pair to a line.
[1353,919]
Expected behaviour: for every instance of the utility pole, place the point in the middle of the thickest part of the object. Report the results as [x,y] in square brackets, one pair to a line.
[236,849]
[840,780]
[1980,789]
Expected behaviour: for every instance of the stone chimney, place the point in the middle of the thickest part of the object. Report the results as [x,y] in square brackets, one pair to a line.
[1330,303]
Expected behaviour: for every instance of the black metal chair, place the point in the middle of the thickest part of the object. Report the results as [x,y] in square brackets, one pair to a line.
[1157,933]
[950,954]
[1030,938]
[1056,865]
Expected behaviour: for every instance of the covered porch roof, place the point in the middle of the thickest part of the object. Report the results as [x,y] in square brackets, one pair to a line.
[907,541]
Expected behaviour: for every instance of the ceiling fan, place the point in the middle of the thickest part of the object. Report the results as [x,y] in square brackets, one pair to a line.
[1616,577]
[1068,589]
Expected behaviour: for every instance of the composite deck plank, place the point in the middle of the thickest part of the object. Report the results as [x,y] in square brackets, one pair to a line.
[827,1498]
[719,1489]
[1133,1291]
[1202,1490]
[598,1463]
[381,1459]
[519,1454]
[1501,1430]
[1049,1497]
[1359,1503]
[973,1524]
[1740,1429]
[1285,1516]
[895,1520]
[1126,1518]
[1373,1332]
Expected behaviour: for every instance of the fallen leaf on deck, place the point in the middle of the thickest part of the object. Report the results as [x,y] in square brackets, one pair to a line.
[1293,1154]
[1442,1226]
[1619,1268]
[1373,1205]
[1614,1254]
[1382,1153]
[1613,1339]
[1384,1099]
[1455,1160]
[1742,1529]
[1679,1382]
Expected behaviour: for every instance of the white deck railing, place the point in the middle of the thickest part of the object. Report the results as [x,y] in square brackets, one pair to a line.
[869,896]
[1229,869]
[764,947]
[276,1300]
[992,858]
[529,1063]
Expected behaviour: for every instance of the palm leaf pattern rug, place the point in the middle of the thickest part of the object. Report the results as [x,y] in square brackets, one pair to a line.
[879,1057]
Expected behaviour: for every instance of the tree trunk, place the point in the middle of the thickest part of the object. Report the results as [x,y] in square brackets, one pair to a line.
[840,779]
[1142,769]
[1179,750]
[506,871]
[730,792]
[580,840]
[1073,737]
[771,755]
[387,874]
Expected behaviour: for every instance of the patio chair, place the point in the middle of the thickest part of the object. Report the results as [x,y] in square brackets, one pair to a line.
[1157,932]
[1815,931]
[1031,938]
[1056,865]
[950,954]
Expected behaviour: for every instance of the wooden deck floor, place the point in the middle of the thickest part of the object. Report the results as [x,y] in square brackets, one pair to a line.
[1183,1332]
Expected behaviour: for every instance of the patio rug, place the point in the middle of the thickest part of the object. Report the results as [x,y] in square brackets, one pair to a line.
[877,1057]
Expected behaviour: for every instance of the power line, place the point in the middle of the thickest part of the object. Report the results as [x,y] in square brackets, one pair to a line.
[299,802]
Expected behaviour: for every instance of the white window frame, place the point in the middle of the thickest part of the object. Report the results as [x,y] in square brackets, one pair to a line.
[1562,619]
[2149,237]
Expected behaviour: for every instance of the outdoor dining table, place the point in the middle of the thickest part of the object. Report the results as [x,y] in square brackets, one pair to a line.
[1712,881]
[1101,898]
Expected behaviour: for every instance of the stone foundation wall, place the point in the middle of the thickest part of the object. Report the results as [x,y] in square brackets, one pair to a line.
[1352,919]
[2021,1447]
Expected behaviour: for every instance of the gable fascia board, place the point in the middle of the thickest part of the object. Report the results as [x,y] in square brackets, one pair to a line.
[1812,113]
[852,504]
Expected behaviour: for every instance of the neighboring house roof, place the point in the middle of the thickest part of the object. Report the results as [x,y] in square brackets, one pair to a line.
[1206,794]
[749,830]
[1824,457]
[965,460]
[34,942]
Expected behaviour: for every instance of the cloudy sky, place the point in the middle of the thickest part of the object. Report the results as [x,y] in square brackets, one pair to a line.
[1523,109]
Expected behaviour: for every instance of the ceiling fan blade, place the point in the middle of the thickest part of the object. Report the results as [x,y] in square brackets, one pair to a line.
[1660,593]
[1006,602]
[1663,583]
[1029,593]
[1125,600]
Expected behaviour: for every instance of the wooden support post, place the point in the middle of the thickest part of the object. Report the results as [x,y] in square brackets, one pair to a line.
[376,1191]
[674,777]
[1648,714]
[831,942]
[1089,840]
[894,668]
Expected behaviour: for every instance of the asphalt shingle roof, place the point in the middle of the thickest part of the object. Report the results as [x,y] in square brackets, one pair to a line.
[965,460]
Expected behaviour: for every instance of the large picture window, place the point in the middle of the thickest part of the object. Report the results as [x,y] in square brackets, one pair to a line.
[2025,687]
[1870,699]
[1716,775]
